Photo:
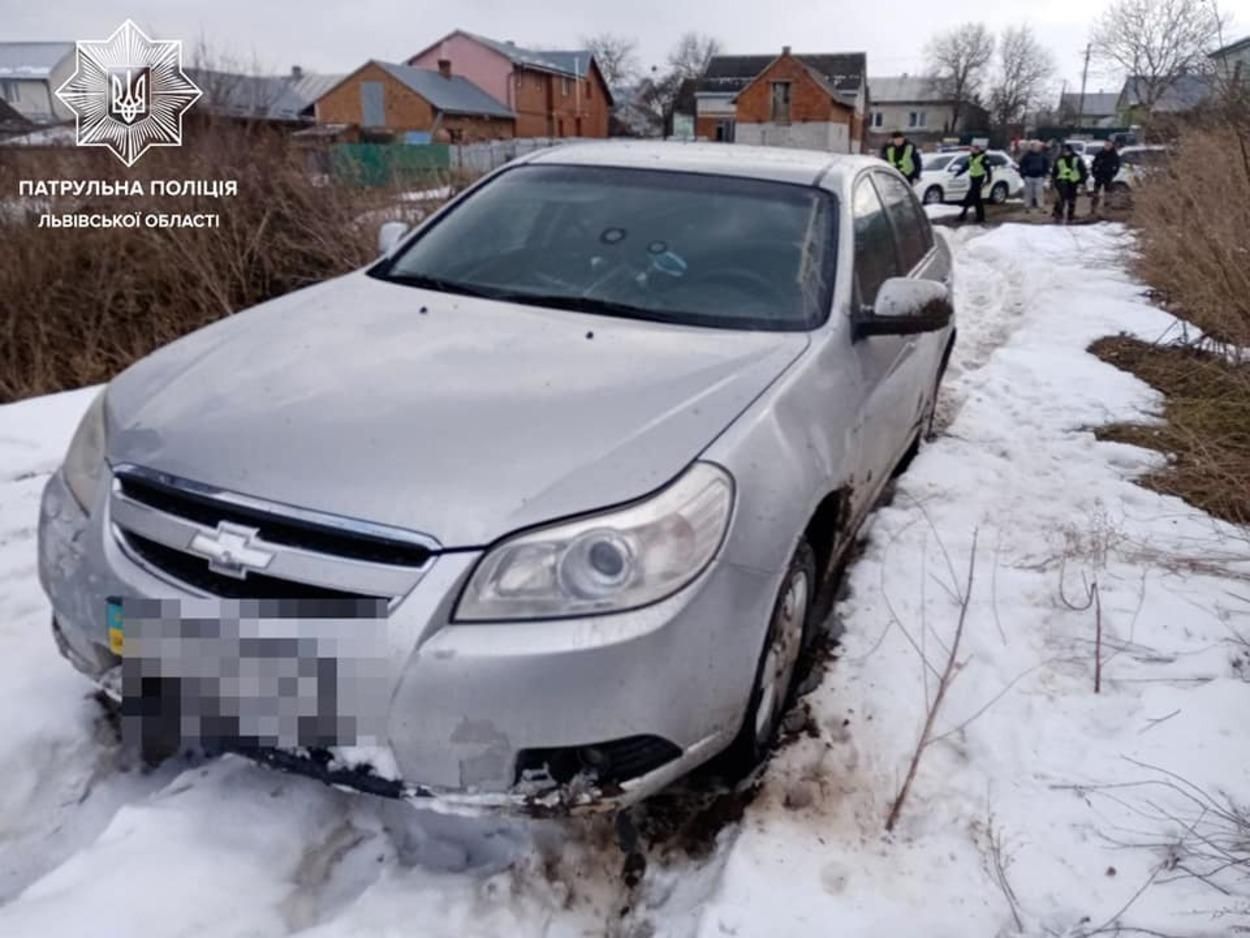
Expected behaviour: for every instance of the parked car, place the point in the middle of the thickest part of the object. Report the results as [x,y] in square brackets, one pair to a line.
[939,183]
[536,513]
[1136,163]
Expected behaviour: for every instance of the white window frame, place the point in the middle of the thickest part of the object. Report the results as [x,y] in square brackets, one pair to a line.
[878,120]
[917,120]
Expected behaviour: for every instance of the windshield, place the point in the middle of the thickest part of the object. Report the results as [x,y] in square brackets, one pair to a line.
[677,247]
[938,162]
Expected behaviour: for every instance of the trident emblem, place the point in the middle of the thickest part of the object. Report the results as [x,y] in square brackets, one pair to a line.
[128,94]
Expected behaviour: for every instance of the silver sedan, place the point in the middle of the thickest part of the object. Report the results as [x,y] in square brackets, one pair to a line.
[539,511]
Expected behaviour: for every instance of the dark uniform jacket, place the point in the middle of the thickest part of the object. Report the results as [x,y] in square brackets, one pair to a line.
[1034,165]
[1106,165]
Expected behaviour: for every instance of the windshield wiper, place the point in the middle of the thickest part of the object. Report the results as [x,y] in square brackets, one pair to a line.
[440,284]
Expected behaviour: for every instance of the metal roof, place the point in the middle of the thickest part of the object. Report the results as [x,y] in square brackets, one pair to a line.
[1232,47]
[573,62]
[32,59]
[905,89]
[454,95]
[843,72]
[802,167]
[1097,104]
[1185,92]
[260,97]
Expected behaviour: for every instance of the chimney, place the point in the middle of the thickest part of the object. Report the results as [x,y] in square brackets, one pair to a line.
[444,67]
[296,72]
[785,50]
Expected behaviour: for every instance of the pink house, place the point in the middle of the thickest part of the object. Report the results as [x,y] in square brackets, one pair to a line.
[553,94]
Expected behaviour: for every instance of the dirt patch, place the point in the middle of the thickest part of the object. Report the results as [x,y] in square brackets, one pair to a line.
[1206,428]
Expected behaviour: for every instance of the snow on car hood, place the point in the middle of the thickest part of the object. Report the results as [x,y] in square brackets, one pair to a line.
[458,417]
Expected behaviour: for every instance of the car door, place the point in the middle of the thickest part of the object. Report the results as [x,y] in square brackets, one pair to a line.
[957,186]
[918,258]
[879,357]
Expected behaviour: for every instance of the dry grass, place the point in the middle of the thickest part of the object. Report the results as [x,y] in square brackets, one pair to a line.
[1206,427]
[1192,221]
[79,305]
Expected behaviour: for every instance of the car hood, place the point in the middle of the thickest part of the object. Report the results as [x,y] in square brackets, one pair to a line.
[458,417]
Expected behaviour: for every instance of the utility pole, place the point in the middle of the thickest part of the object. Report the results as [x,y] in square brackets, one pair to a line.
[1080,111]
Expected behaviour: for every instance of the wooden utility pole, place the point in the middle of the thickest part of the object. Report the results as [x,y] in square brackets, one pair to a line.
[1080,110]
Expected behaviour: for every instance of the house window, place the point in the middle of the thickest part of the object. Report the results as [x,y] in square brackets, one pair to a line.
[878,119]
[781,102]
[8,89]
[917,119]
[565,86]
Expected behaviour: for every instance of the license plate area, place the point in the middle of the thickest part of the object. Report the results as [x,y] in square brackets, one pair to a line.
[252,673]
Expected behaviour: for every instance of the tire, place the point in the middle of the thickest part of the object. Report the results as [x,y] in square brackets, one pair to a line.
[933,195]
[773,687]
[998,193]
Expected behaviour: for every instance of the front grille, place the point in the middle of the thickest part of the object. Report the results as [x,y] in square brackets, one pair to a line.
[275,529]
[194,571]
[611,762]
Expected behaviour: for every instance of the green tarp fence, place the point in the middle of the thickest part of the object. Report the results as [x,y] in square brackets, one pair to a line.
[379,164]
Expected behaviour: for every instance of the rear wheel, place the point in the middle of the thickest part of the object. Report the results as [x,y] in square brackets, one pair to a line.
[998,194]
[933,195]
[773,689]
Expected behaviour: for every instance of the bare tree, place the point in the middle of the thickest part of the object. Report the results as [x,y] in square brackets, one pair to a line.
[1157,41]
[1025,67]
[617,57]
[958,61]
[689,58]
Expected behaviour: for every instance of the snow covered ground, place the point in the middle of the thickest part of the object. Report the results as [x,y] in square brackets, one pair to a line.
[1039,808]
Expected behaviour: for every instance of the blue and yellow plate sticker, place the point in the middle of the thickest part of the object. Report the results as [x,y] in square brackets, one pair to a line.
[116,632]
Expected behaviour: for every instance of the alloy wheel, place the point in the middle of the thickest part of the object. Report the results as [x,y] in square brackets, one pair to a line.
[782,655]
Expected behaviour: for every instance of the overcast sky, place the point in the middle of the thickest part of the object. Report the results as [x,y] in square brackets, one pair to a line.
[337,36]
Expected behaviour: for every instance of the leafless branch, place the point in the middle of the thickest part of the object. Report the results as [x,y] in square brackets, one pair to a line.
[944,682]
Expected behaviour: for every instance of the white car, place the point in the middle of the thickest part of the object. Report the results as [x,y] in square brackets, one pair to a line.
[1137,162]
[939,183]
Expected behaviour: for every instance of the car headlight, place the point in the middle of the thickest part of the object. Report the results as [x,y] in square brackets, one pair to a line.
[84,462]
[609,562]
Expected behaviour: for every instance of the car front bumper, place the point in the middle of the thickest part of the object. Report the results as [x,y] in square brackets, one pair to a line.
[469,704]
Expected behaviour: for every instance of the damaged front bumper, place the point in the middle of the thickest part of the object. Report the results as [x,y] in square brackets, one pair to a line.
[538,795]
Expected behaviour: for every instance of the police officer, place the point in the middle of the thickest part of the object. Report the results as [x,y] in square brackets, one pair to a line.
[1068,175]
[1106,166]
[979,176]
[902,154]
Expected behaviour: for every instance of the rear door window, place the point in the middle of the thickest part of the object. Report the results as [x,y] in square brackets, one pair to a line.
[875,257]
[911,226]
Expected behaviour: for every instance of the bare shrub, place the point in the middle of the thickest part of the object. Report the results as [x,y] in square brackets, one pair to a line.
[79,305]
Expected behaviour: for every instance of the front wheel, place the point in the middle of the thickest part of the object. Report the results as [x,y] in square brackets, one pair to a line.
[933,195]
[774,675]
[998,195]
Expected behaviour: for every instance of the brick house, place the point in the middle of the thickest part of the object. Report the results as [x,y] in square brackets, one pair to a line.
[386,101]
[552,94]
[809,101]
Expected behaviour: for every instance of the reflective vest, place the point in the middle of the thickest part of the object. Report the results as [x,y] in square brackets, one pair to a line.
[976,166]
[904,164]
[1066,170]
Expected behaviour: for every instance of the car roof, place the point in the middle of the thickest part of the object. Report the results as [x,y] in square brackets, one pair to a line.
[803,167]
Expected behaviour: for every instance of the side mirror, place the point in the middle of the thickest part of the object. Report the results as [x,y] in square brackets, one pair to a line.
[389,235]
[906,307]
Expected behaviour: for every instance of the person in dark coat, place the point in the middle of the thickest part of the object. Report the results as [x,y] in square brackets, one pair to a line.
[979,177]
[1069,177]
[1106,167]
[902,154]
[1034,168]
